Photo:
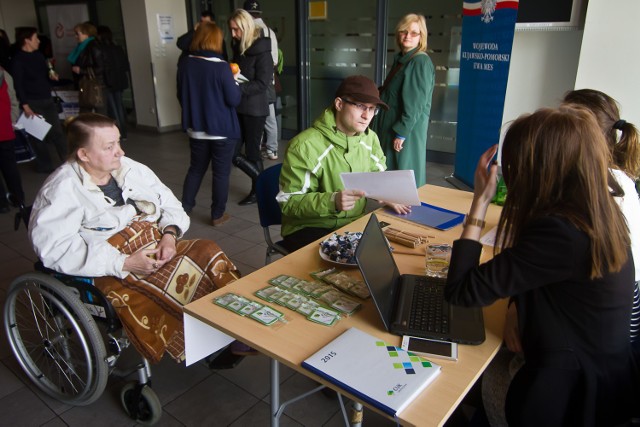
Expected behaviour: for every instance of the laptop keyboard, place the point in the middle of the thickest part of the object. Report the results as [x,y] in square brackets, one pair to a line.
[427,312]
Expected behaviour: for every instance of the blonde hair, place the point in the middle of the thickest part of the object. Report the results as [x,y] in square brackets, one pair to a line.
[86,28]
[250,33]
[404,25]
[555,162]
[208,36]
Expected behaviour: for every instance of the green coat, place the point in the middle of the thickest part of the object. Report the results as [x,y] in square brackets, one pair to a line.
[408,95]
[311,174]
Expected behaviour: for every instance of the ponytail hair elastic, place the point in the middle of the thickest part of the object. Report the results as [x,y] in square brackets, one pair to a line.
[619,124]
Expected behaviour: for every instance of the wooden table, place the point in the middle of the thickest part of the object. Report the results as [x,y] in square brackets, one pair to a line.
[293,342]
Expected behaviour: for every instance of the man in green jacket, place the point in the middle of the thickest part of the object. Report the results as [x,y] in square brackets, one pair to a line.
[312,198]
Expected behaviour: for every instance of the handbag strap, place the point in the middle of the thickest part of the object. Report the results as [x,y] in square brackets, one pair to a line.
[395,70]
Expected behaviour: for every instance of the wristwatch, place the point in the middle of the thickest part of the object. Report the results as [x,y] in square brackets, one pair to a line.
[469,220]
[171,233]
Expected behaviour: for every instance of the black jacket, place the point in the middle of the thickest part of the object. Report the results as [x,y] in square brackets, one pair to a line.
[257,66]
[579,368]
[116,66]
[93,57]
[30,76]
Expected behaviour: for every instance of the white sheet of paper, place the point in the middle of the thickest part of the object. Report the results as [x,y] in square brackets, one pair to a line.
[389,186]
[35,126]
[489,238]
[201,340]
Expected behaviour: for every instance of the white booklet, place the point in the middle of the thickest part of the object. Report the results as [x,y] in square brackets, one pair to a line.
[388,186]
[35,125]
[380,374]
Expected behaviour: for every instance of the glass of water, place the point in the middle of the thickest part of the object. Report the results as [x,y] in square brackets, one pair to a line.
[437,259]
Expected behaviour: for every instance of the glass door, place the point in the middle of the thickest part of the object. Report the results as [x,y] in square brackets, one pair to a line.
[342,42]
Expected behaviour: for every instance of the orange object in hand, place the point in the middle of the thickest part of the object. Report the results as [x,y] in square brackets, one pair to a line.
[234,67]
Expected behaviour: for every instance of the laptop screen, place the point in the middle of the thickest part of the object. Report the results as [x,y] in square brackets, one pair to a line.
[378,268]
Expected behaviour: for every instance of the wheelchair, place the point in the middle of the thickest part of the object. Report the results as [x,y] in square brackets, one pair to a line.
[67,338]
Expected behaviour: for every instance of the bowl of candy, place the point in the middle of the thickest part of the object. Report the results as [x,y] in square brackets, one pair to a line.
[340,249]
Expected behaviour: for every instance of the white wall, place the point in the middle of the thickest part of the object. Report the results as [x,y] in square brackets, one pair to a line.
[543,67]
[609,60]
[12,16]
[153,64]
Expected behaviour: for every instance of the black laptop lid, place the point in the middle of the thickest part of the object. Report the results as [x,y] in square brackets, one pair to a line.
[378,268]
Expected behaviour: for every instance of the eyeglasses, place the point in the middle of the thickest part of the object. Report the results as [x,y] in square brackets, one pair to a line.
[410,34]
[363,108]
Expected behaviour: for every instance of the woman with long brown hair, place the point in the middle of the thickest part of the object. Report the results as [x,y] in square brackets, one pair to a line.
[624,145]
[566,262]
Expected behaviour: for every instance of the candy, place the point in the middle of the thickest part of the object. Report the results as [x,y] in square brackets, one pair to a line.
[341,247]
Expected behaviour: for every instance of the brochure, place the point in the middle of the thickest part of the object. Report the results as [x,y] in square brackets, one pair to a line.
[380,374]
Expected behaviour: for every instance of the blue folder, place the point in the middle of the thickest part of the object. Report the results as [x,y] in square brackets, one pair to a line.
[432,216]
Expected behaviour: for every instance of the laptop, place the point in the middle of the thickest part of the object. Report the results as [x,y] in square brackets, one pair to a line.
[400,299]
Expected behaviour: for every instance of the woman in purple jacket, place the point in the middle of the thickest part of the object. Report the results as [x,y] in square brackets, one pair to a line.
[209,94]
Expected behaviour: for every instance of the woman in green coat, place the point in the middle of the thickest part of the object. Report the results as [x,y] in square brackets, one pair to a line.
[407,90]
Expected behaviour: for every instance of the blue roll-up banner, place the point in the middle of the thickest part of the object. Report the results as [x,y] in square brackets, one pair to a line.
[487,38]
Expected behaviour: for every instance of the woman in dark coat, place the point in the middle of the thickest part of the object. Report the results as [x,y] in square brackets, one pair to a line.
[87,57]
[252,53]
[566,261]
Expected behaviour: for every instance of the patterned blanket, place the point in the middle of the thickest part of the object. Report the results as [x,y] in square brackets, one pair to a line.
[150,307]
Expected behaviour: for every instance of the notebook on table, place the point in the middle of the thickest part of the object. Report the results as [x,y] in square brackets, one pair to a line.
[431,216]
[410,304]
[380,374]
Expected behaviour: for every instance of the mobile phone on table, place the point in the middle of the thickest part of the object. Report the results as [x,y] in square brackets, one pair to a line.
[430,348]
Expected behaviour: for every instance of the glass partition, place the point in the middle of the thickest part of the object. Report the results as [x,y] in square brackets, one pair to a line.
[341,45]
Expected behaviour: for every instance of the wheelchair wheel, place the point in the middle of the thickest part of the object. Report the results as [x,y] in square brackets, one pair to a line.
[141,403]
[55,339]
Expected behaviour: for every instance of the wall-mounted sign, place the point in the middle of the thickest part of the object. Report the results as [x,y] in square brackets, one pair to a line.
[317,10]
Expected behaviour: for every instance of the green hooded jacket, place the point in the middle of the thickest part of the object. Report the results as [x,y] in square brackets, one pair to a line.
[311,174]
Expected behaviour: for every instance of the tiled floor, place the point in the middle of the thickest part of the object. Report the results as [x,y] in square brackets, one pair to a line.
[190,396]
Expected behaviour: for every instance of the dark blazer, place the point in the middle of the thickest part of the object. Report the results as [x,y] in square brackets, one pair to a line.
[257,66]
[208,95]
[579,368]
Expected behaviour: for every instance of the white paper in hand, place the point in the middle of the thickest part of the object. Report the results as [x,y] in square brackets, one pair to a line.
[240,78]
[35,126]
[388,186]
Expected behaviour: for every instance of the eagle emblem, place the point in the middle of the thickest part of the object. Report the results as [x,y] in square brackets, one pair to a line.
[487,7]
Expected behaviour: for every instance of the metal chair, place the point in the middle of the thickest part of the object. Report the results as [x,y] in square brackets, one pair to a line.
[267,187]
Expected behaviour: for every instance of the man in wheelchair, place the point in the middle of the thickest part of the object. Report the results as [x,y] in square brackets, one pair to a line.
[106,216]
